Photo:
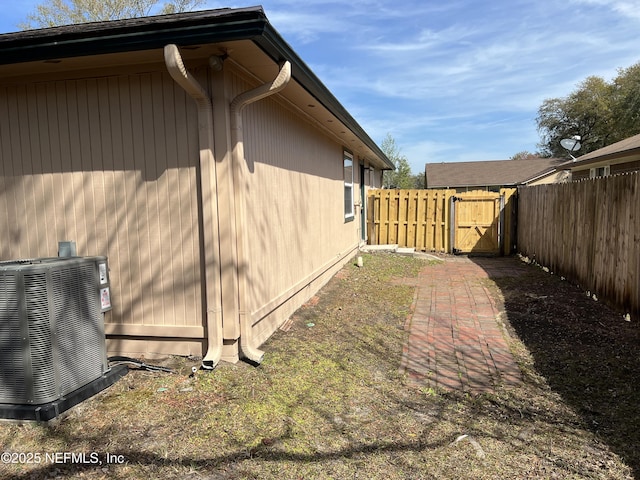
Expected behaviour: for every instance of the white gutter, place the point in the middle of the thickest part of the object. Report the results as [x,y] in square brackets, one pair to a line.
[211,251]
[247,344]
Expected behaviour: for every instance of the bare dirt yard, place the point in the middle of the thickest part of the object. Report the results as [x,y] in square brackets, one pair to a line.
[330,401]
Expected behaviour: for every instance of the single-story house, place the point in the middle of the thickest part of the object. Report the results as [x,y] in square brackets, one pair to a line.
[492,175]
[223,180]
[619,157]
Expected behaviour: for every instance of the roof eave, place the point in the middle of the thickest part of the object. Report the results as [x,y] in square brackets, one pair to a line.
[130,35]
[602,158]
[278,49]
[464,185]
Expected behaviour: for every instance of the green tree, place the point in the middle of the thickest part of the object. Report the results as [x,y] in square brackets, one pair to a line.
[626,101]
[600,112]
[52,13]
[400,177]
[586,112]
[525,155]
[419,181]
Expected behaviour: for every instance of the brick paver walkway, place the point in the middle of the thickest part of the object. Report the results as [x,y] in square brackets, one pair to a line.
[455,341]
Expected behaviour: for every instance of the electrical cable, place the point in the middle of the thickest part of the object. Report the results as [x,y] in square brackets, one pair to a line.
[118,360]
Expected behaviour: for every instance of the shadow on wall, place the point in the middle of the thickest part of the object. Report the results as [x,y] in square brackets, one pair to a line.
[585,350]
[117,172]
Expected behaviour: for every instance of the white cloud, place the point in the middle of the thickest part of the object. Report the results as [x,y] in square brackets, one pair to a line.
[628,8]
[457,80]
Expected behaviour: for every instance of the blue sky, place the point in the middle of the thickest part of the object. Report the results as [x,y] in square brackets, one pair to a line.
[457,80]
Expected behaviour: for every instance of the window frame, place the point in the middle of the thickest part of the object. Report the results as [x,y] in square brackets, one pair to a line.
[349,214]
[598,172]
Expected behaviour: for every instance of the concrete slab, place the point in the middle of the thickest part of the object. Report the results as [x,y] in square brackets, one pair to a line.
[379,248]
[428,256]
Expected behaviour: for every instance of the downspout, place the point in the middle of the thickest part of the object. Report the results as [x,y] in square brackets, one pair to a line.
[211,253]
[247,344]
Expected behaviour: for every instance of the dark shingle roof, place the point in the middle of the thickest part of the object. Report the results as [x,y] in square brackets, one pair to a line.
[486,173]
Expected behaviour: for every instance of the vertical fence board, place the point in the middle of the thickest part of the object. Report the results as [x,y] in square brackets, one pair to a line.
[392,217]
[437,222]
[431,226]
[633,278]
[412,225]
[421,233]
[402,220]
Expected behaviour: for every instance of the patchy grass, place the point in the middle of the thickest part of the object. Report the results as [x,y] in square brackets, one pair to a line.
[329,400]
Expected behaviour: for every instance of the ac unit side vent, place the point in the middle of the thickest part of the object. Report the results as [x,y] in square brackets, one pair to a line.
[11,360]
[74,300]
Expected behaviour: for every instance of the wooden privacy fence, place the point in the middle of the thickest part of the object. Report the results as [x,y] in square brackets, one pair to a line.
[587,231]
[410,218]
[422,219]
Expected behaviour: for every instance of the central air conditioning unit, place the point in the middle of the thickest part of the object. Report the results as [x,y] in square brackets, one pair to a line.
[52,339]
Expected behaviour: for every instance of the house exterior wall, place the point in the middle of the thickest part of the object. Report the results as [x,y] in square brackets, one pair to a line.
[375,178]
[626,167]
[558,176]
[110,162]
[579,175]
[616,166]
[297,233]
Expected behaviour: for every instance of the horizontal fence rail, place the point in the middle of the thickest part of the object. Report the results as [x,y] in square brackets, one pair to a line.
[587,231]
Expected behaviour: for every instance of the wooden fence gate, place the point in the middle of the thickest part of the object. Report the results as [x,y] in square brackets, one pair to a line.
[443,220]
[477,223]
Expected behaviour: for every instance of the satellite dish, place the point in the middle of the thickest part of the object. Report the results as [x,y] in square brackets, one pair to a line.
[571,144]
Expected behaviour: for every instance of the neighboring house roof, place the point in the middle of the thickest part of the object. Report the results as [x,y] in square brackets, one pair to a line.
[488,173]
[619,150]
[185,30]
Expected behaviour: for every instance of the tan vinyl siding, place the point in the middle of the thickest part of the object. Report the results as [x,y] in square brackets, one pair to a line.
[110,163]
[295,209]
